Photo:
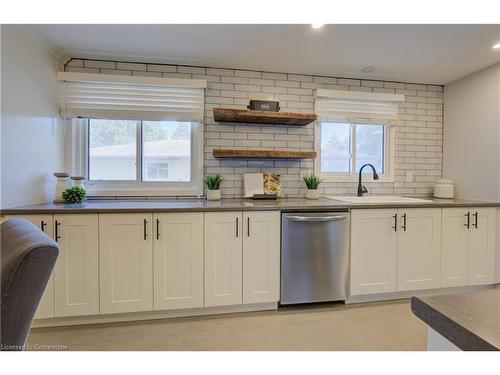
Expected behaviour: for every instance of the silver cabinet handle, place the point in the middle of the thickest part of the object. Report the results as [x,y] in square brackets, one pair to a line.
[237,225]
[316,218]
[248,226]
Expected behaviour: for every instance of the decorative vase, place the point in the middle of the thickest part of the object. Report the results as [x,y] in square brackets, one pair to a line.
[312,194]
[61,185]
[78,181]
[213,195]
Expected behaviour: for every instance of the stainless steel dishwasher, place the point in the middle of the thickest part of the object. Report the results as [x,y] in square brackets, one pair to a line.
[314,257]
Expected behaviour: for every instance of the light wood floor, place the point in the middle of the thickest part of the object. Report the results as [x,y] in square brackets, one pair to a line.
[372,326]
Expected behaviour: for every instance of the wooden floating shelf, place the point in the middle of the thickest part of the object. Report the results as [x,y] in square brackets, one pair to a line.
[263,117]
[263,154]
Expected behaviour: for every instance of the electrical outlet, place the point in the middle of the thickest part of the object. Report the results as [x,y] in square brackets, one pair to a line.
[409,176]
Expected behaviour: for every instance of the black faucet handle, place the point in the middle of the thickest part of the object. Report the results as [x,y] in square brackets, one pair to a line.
[365,190]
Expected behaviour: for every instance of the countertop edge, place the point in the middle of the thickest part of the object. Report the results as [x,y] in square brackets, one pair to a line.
[233,206]
[458,335]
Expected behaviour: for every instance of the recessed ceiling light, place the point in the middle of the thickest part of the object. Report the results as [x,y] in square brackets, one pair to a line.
[317,25]
[368,69]
[496,46]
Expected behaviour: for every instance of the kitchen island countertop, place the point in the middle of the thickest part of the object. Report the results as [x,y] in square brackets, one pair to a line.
[470,321]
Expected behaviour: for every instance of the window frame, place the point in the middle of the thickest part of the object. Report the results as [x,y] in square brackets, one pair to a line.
[77,158]
[389,155]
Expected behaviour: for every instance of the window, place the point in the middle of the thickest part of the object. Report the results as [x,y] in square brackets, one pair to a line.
[167,147]
[355,128]
[112,150]
[134,136]
[142,152]
[345,147]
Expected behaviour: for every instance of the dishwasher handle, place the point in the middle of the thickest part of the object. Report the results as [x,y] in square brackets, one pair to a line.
[316,218]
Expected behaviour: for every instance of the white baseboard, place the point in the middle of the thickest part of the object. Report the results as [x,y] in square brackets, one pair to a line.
[417,293]
[150,315]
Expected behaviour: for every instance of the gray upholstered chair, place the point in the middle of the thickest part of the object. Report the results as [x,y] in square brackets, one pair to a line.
[28,258]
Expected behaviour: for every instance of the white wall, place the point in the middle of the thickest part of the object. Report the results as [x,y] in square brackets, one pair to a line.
[471,155]
[31,130]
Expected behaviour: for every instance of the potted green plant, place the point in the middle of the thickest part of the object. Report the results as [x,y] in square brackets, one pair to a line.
[213,183]
[312,183]
[74,194]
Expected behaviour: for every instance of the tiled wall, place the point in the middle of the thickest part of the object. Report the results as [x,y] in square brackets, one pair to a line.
[419,135]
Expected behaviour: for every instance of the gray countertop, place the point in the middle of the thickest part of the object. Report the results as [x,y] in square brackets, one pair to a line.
[469,320]
[183,205]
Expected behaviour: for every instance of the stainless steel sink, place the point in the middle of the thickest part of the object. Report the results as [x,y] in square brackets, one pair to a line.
[379,199]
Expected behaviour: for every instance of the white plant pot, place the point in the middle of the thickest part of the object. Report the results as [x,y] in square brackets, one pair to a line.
[213,195]
[312,194]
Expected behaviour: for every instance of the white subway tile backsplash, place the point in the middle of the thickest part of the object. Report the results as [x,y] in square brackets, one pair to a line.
[247,73]
[161,68]
[75,63]
[130,66]
[419,133]
[191,70]
[99,64]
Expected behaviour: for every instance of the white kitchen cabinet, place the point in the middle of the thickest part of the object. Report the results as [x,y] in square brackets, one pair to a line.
[454,247]
[76,275]
[46,223]
[468,246]
[223,258]
[481,249]
[373,251]
[419,245]
[126,262]
[261,257]
[178,260]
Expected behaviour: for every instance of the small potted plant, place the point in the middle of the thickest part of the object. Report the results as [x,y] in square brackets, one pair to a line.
[213,183]
[312,183]
[74,194]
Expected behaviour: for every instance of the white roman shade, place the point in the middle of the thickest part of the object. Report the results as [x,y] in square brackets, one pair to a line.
[107,96]
[355,107]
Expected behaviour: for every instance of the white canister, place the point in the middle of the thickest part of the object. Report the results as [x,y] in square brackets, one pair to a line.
[61,185]
[444,189]
[78,181]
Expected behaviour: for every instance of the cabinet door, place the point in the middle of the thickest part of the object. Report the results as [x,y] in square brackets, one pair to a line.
[481,257]
[373,251]
[261,257]
[178,260]
[419,245]
[46,223]
[76,275]
[223,258]
[455,238]
[126,262]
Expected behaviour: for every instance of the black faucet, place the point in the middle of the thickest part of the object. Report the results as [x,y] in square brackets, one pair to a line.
[361,188]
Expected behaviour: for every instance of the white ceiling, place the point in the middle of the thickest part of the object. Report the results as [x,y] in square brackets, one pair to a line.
[435,54]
